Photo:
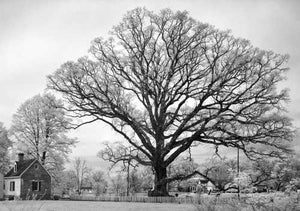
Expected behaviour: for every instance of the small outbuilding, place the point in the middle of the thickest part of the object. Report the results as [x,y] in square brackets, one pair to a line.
[28,179]
[87,190]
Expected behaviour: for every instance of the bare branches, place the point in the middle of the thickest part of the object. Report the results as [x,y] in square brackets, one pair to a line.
[173,81]
[119,153]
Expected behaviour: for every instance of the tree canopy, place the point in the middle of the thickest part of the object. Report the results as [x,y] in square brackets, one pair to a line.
[40,126]
[165,81]
[5,143]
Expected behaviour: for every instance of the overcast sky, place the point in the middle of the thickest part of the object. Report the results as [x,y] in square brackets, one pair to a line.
[37,36]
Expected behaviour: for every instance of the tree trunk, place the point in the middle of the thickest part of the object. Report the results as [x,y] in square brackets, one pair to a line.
[160,187]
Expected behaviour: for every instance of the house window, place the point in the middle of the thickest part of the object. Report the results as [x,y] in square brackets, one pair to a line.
[12,186]
[36,185]
[36,166]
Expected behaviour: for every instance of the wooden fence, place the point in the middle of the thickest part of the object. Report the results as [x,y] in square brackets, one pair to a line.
[224,199]
[179,200]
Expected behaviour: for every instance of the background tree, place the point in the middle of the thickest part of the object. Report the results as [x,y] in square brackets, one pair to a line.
[118,153]
[81,172]
[5,143]
[120,157]
[147,177]
[165,81]
[181,169]
[99,182]
[219,172]
[40,126]
[260,171]
[243,181]
[283,172]
[135,182]
[117,184]
[273,173]
[182,166]
[66,182]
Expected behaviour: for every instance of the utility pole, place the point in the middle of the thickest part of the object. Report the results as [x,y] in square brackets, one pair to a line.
[128,178]
[238,171]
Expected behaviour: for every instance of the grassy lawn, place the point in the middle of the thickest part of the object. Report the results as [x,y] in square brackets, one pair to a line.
[90,206]
[225,202]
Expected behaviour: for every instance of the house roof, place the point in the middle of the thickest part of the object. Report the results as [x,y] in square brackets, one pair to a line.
[86,188]
[21,167]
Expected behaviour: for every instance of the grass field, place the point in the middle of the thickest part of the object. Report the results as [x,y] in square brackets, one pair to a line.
[90,206]
[225,202]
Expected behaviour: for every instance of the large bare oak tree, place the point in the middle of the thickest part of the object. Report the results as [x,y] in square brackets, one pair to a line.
[166,81]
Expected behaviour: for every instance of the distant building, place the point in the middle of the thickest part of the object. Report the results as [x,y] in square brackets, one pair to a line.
[1,186]
[87,190]
[200,185]
[28,179]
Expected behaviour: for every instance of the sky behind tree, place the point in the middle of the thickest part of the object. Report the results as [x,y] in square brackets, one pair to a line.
[37,36]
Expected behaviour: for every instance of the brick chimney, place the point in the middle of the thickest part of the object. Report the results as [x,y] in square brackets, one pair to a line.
[44,158]
[20,157]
